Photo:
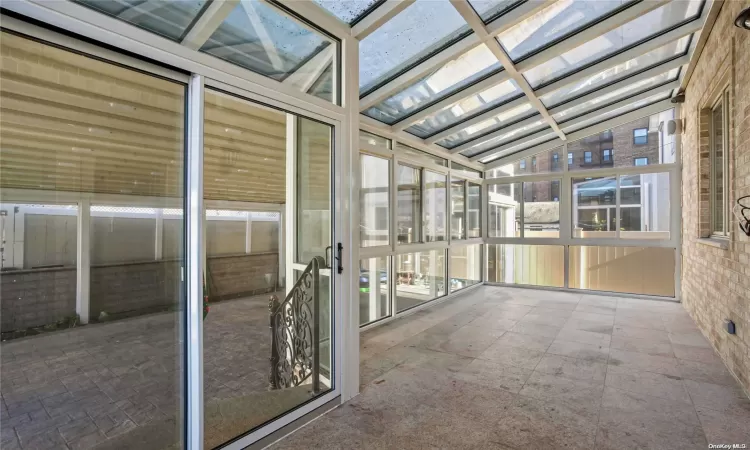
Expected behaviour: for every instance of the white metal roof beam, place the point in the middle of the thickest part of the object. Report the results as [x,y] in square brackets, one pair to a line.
[306,75]
[591,32]
[318,15]
[517,15]
[497,133]
[475,120]
[582,133]
[708,18]
[475,22]
[377,18]
[214,14]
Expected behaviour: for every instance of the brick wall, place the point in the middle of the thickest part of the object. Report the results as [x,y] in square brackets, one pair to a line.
[716,281]
[38,297]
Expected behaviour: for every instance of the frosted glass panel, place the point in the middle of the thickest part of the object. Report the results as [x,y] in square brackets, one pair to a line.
[536,265]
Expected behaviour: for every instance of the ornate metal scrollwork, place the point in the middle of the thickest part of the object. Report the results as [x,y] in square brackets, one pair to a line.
[295,334]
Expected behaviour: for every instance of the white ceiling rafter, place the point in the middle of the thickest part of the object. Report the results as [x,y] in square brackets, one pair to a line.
[319,16]
[475,22]
[708,17]
[209,20]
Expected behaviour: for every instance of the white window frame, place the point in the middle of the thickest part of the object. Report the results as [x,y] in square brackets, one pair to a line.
[723,103]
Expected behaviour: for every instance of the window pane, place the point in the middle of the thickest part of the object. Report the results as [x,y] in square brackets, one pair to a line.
[632,270]
[537,265]
[546,162]
[374,197]
[474,221]
[489,10]
[458,221]
[513,133]
[259,37]
[620,71]
[465,266]
[595,119]
[350,10]
[455,75]
[488,126]
[515,146]
[374,290]
[594,207]
[552,23]
[421,278]
[77,127]
[420,156]
[418,31]
[541,209]
[465,109]
[643,27]
[466,171]
[435,206]
[374,140]
[169,19]
[619,147]
[717,163]
[409,205]
[505,210]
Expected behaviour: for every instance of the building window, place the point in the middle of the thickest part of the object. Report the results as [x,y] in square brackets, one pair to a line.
[555,161]
[719,146]
[640,136]
[570,159]
[640,162]
[587,157]
[533,164]
[607,155]
[522,164]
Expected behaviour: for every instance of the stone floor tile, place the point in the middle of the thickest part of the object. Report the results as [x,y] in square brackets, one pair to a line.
[648,383]
[529,341]
[587,325]
[468,341]
[605,319]
[551,312]
[641,333]
[573,368]
[647,346]
[544,320]
[584,337]
[707,373]
[730,399]
[514,356]
[639,320]
[594,353]
[695,339]
[595,309]
[486,373]
[536,329]
[700,354]
[729,427]
[644,362]
[582,396]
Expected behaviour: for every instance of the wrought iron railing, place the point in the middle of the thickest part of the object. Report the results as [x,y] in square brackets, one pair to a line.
[295,331]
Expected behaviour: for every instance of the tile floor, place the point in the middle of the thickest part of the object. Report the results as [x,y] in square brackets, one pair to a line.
[509,368]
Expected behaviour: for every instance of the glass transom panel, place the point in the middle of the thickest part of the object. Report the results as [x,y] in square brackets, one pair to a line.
[618,72]
[467,68]
[419,30]
[642,28]
[616,112]
[258,37]
[476,104]
[170,19]
[490,10]
[510,135]
[487,126]
[348,11]
[553,22]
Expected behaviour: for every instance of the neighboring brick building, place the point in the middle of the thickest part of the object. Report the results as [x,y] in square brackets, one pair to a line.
[716,273]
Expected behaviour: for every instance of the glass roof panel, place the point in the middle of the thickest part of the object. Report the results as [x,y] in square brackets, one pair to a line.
[476,104]
[418,31]
[610,96]
[617,112]
[490,10]
[457,74]
[519,144]
[323,86]
[553,22]
[618,72]
[348,11]
[488,126]
[644,27]
[170,19]
[258,37]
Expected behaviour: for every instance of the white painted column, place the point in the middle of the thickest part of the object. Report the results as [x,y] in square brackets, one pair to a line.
[159,235]
[291,201]
[83,261]
[249,234]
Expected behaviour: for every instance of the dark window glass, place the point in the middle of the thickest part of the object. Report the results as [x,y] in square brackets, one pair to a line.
[640,136]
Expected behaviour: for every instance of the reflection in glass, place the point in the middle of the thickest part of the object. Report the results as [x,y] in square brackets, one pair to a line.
[458,221]
[435,204]
[415,33]
[418,155]
[515,146]
[554,22]
[408,198]
[474,210]
[644,206]
[490,10]
[513,133]
[374,290]
[455,75]
[546,162]
[615,112]
[488,126]
[374,196]
[471,106]
[420,278]
[75,128]
[259,37]
[594,207]
[541,209]
[504,218]
[536,265]
[374,140]
[313,189]
[717,167]
[641,28]
[465,266]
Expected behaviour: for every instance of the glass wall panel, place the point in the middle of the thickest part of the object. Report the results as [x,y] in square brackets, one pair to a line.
[374,140]
[537,265]
[474,210]
[504,219]
[459,169]
[374,290]
[552,23]
[465,266]
[374,199]
[434,214]
[420,156]
[74,127]
[644,206]
[594,207]
[641,28]
[541,209]
[458,221]
[415,33]
[420,278]
[262,38]
[631,270]
[550,161]
[455,75]
[409,204]
[241,352]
